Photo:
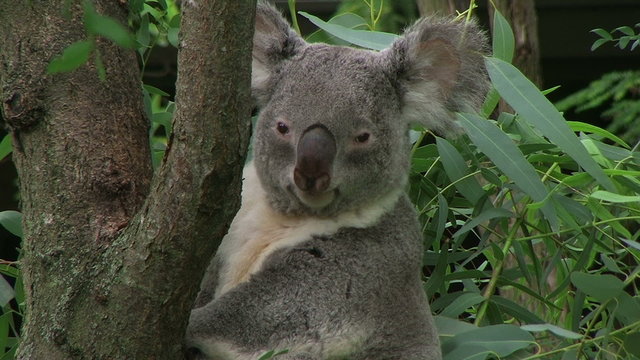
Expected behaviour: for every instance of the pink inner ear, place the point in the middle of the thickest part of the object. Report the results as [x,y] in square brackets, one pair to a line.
[442,63]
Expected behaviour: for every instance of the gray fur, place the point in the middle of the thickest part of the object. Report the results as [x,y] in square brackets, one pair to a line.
[359,283]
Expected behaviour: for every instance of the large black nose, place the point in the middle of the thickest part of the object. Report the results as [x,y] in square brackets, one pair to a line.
[314,158]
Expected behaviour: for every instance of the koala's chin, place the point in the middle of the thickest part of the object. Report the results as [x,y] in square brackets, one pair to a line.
[315,201]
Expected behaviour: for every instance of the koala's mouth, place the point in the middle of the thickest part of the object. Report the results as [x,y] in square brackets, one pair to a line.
[315,200]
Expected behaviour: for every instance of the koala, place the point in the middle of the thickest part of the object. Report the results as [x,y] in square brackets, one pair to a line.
[324,256]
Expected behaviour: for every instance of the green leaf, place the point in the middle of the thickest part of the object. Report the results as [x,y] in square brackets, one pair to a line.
[271,354]
[623,42]
[598,43]
[448,327]
[625,30]
[107,27]
[4,328]
[503,40]
[5,146]
[494,143]
[502,340]
[6,292]
[602,287]
[554,329]
[461,304]
[164,119]
[602,33]
[610,264]
[73,56]
[632,343]
[143,35]
[614,198]
[12,221]
[490,103]
[374,40]
[154,90]
[457,169]
[588,128]
[515,310]
[483,217]
[535,109]
[467,352]
[172,36]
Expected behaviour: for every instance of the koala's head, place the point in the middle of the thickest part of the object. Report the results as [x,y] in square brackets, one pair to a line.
[332,134]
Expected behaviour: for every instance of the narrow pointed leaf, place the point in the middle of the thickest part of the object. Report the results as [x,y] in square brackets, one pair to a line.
[456,169]
[374,40]
[615,198]
[502,39]
[554,329]
[505,154]
[5,146]
[527,100]
[107,27]
[73,56]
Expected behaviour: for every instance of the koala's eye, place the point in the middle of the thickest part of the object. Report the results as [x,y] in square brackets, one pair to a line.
[282,128]
[362,138]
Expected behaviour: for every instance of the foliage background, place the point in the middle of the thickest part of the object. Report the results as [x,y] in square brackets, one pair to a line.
[530,220]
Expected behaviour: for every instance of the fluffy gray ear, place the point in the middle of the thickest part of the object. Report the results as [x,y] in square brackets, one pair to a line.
[439,68]
[273,42]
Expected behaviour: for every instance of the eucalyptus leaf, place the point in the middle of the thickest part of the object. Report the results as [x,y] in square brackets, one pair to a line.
[73,56]
[552,328]
[374,40]
[448,327]
[615,198]
[6,292]
[601,286]
[502,38]
[12,221]
[505,154]
[105,26]
[458,171]
[534,108]
[502,340]
[461,304]
[5,146]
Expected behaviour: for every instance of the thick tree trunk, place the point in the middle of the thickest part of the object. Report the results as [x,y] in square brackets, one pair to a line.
[441,7]
[111,259]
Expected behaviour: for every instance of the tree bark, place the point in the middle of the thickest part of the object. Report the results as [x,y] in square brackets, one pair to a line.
[441,7]
[111,258]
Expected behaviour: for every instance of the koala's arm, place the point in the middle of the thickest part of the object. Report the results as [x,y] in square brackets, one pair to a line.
[351,295]
[284,298]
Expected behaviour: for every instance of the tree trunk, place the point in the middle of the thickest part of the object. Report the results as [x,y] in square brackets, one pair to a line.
[441,7]
[111,258]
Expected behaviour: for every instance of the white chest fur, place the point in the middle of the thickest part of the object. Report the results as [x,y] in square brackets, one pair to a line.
[258,230]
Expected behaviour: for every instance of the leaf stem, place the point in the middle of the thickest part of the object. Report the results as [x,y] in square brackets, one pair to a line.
[495,274]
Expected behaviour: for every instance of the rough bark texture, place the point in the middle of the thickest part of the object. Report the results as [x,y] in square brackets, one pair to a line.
[111,259]
[441,7]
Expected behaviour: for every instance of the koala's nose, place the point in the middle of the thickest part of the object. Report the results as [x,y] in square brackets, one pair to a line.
[314,157]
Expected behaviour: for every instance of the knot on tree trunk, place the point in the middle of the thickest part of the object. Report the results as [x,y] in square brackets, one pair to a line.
[21,110]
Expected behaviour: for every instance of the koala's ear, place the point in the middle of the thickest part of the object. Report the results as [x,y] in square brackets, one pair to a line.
[273,42]
[438,67]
